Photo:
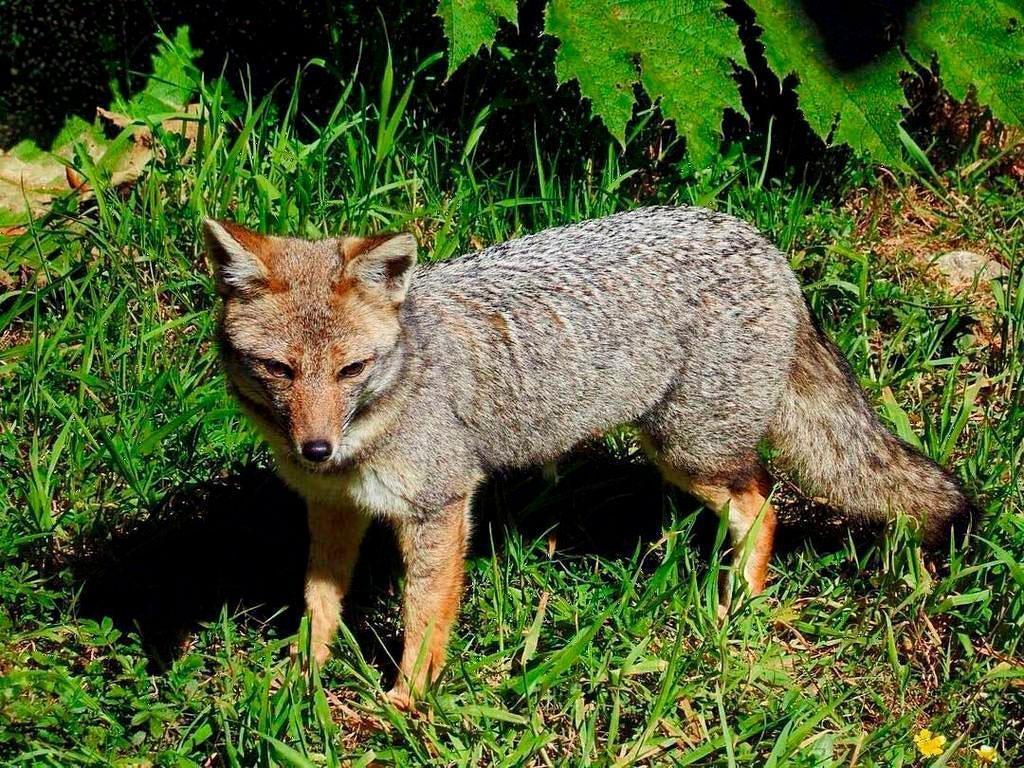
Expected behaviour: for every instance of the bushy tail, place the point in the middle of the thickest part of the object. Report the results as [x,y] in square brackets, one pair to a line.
[828,436]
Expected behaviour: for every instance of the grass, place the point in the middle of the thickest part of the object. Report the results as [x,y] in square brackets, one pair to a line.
[148,558]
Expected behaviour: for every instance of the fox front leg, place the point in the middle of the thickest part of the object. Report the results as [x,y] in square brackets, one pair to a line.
[335,533]
[434,552]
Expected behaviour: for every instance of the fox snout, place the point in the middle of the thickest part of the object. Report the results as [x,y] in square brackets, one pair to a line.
[316,421]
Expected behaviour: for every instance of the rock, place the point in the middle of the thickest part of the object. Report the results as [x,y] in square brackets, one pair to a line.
[961,267]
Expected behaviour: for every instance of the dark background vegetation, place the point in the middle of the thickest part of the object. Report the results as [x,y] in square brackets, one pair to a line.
[61,57]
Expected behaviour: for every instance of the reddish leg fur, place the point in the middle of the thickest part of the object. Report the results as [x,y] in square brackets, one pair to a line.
[335,533]
[744,497]
[434,554]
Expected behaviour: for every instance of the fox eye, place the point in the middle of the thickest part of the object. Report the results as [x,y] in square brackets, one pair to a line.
[278,369]
[352,369]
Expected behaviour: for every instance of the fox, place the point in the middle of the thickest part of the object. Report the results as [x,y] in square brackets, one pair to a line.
[391,389]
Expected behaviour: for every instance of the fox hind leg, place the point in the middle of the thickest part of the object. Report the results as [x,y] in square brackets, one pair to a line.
[751,520]
[742,496]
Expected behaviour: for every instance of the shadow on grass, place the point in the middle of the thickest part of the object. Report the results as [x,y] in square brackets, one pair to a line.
[240,543]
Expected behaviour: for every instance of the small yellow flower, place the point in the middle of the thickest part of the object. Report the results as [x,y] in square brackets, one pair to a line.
[987,754]
[929,744]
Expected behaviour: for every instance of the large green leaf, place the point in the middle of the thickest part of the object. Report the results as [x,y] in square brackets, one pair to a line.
[591,52]
[680,51]
[976,42]
[859,106]
[469,25]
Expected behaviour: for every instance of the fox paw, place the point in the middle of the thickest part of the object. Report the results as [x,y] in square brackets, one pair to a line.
[400,698]
[320,655]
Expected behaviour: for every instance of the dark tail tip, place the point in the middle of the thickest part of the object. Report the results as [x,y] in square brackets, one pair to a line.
[952,527]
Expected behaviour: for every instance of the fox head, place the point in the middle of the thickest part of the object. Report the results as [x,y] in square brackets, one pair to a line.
[310,334]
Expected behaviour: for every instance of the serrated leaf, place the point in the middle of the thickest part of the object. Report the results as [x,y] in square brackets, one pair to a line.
[470,25]
[976,42]
[859,106]
[703,39]
[680,51]
[589,52]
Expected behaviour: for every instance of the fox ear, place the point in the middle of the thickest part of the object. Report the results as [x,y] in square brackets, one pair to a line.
[240,256]
[383,262]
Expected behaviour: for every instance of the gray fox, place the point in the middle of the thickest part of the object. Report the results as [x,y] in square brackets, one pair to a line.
[391,390]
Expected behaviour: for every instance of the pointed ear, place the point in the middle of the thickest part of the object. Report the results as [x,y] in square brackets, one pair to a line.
[380,262]
[240,257]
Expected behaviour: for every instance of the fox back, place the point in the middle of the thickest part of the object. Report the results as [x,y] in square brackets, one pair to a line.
[555,337]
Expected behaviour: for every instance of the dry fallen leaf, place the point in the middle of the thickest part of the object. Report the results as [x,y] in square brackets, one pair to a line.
[29,186]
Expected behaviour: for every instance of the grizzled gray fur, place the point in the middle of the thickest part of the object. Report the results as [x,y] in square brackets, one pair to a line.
[685,322]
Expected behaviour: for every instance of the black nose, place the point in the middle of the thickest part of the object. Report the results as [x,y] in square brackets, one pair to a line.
[316,450]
